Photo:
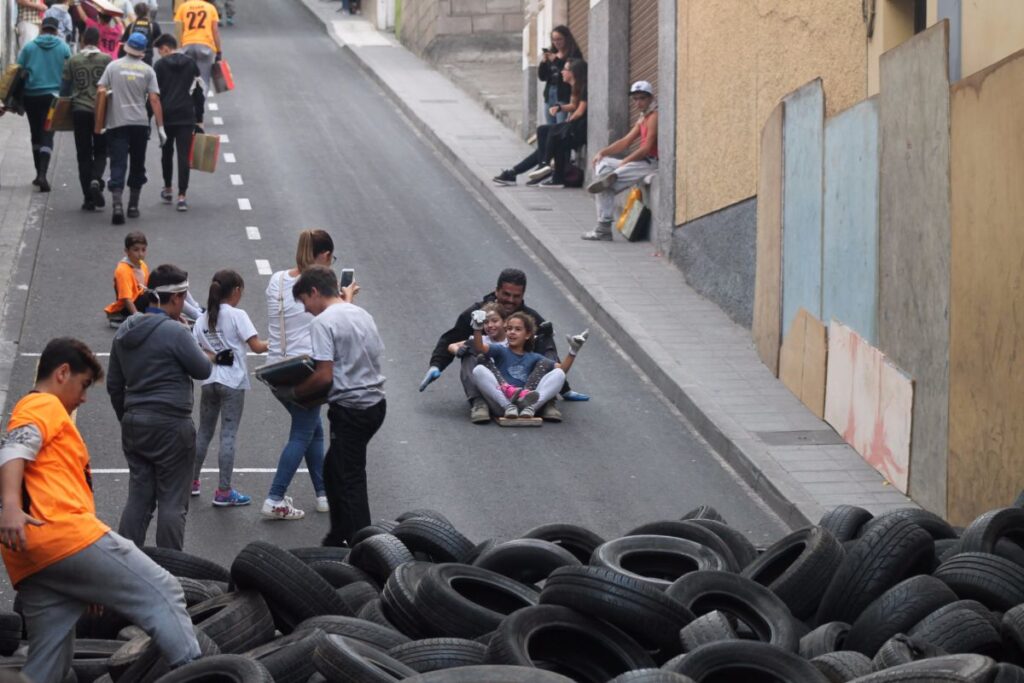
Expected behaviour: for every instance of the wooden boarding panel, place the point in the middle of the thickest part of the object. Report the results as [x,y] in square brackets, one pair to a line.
[986,364]
[914,243]
[519,422]
[849,282]
[803,143]
[791,356]
[767,327]
[802,361]
[869,402]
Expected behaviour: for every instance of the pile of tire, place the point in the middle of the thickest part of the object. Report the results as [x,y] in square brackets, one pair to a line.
[898,597]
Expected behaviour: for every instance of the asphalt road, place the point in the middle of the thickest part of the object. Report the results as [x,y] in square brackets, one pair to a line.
[317,144]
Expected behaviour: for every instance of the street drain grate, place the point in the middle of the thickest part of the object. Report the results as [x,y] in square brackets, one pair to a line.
[808,437]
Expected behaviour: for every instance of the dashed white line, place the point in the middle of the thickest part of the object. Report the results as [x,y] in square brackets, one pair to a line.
[218,121]
[224,137]
[263,267]
[252,232]
[229,158]
[205,470]
[213,106]
[236,179]
[244,205]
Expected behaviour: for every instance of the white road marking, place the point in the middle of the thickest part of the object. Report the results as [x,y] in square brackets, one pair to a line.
[213,106]
[205,470]
[229,158]
[252,232]
[263,267]
[236,179]
[224,138]
[244,205]
[218,121]
[105,354]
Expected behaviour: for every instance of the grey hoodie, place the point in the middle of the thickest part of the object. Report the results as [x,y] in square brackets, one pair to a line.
[153,361]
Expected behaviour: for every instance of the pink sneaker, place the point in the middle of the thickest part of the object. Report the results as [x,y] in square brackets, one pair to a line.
[195,487]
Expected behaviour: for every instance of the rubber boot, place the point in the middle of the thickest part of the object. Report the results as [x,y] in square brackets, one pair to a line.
[35,164]
[116,200]
[41,169]
[98,166]
[133,201]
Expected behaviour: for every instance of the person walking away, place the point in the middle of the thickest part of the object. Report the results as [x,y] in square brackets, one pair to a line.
[182,101]
[81,74]
[29,21]
[550,70]
[131,83]
[145,25]
[43,59]
[61,11]
[109,26]
[153,361]
[59,556]
[225,331]
[615,175]
[130,277]
[228,11]
[347,350]
[289,328]
[200,37]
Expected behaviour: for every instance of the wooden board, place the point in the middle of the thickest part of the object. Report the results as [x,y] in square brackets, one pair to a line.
[869,402]
[767,327]
[986,364]
[519,422]
[802,361]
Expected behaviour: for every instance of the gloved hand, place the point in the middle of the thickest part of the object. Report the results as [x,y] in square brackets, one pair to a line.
[162,134]
[576,341]
[225,357]
[432,374]
[218,57]
[463,350]
[477,319]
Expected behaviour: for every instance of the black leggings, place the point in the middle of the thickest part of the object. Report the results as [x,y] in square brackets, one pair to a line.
[36,109]
[178,138]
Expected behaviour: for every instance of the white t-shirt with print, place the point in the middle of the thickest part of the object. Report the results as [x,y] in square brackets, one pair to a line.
[234,329]
[296,321]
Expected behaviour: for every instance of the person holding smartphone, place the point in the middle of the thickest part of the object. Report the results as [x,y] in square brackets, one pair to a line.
[549,70]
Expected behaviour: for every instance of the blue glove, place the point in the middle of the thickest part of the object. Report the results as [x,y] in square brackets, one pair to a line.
[432,374]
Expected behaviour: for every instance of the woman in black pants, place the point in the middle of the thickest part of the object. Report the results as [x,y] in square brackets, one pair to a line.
[549,70]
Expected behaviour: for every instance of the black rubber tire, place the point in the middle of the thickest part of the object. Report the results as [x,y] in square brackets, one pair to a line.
[1011,628]
[993,581]
[90,658]
[422,513]
[982,535]
[434,654]
[902,649]
[830,637]
[844,522]
[289,659]
[742,549]
[704,512]
[438,540]
[179,563]
[843,665]
[889,552]
[221,668]
[946,548]
[657,560]
[479,549]
[293,591]
[897,611]
[150,665]
[398,599]
[1008,673]
[646,614]
[579,541]
[738,660]
[341,660]
[373,612]
[462,601]
[198,590]
[379,555]
[374,634]
[527,560]
[943,669]
[318,553]
[707,628]
[11,631]
[490,673]
[380,526]
[651,676]
[958,629]
[758,608]
[690,531]
[357,594]
[340,574]
[126,655]
[936,527]
[237,621]
[798,568]
[567,643]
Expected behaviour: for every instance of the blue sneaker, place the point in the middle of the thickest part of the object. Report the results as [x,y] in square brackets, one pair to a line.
[230,498]
[575,396]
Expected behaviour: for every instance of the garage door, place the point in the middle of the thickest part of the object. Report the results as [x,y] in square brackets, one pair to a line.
[643,43]
[579,23]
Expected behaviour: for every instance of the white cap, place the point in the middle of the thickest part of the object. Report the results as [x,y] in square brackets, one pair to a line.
[642,86]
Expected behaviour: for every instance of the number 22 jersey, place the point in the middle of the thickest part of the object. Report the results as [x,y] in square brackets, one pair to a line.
[197,18]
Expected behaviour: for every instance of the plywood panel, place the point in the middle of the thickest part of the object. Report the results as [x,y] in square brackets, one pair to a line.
[986,381]
[802,361]
[870,403]
[803,143]
[767,328]
[913,255]
[849,280]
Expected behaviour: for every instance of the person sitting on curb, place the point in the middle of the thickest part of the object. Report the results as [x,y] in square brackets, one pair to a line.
[615,175]
[60,557]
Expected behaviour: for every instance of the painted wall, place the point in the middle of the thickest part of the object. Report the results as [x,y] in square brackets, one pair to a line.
[425,20]
[992,30]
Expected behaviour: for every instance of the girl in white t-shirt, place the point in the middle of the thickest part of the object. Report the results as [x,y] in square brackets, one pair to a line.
[227,333]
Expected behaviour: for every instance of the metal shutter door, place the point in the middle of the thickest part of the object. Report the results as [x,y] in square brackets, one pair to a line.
[579,23]
[643,41]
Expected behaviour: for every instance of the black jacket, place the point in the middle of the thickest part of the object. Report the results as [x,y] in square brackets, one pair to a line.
[551,74]
[441,358]
[181,90]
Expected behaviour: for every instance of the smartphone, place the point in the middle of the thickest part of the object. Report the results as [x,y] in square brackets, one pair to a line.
[348,276]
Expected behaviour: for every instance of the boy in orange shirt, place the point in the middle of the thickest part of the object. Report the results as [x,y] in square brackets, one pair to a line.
[130,277]
[60,557]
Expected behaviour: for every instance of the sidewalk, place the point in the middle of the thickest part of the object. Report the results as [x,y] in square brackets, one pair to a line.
[703,362]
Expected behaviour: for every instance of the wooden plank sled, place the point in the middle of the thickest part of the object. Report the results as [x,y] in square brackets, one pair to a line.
[519,422]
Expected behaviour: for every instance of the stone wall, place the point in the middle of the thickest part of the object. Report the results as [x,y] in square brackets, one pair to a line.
[424,22]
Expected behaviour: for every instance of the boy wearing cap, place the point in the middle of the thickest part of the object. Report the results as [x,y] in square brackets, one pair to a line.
[131,83]
[615,175]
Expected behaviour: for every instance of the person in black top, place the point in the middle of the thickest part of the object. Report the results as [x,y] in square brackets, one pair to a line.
[146,26]
[181,93]
[549,70]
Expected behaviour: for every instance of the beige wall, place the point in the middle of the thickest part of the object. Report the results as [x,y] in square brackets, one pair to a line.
[736,60]
[992,30]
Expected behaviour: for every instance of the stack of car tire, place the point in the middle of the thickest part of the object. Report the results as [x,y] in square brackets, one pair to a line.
[899,597]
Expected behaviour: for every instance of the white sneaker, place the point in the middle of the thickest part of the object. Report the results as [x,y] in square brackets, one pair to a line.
[281,509]
[322,505]
[540,173]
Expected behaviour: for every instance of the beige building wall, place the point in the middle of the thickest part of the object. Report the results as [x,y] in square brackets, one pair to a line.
[736,60]
[992,30]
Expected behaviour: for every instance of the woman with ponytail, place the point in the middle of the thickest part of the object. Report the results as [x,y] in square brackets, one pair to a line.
[289,337]
[225,332]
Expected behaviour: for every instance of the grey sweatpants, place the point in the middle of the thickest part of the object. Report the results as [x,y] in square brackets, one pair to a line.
[160,451]
[111,572]
[487,383]
[203,56]
[628,175]
[218,399]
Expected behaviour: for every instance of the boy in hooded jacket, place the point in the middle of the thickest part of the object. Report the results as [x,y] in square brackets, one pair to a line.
[181,94]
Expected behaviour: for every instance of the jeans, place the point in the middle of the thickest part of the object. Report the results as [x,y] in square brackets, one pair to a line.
[538,156]
[127,145]
[204,56]
[226,402]
[550,101]
[160,450]
[178,138]
[628,175]
[91,150]
[36,109]
[111,572]
[345,468]
[305,441]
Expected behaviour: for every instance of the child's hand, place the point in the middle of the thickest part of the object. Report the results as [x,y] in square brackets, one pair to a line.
[576,341]
[477,319]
